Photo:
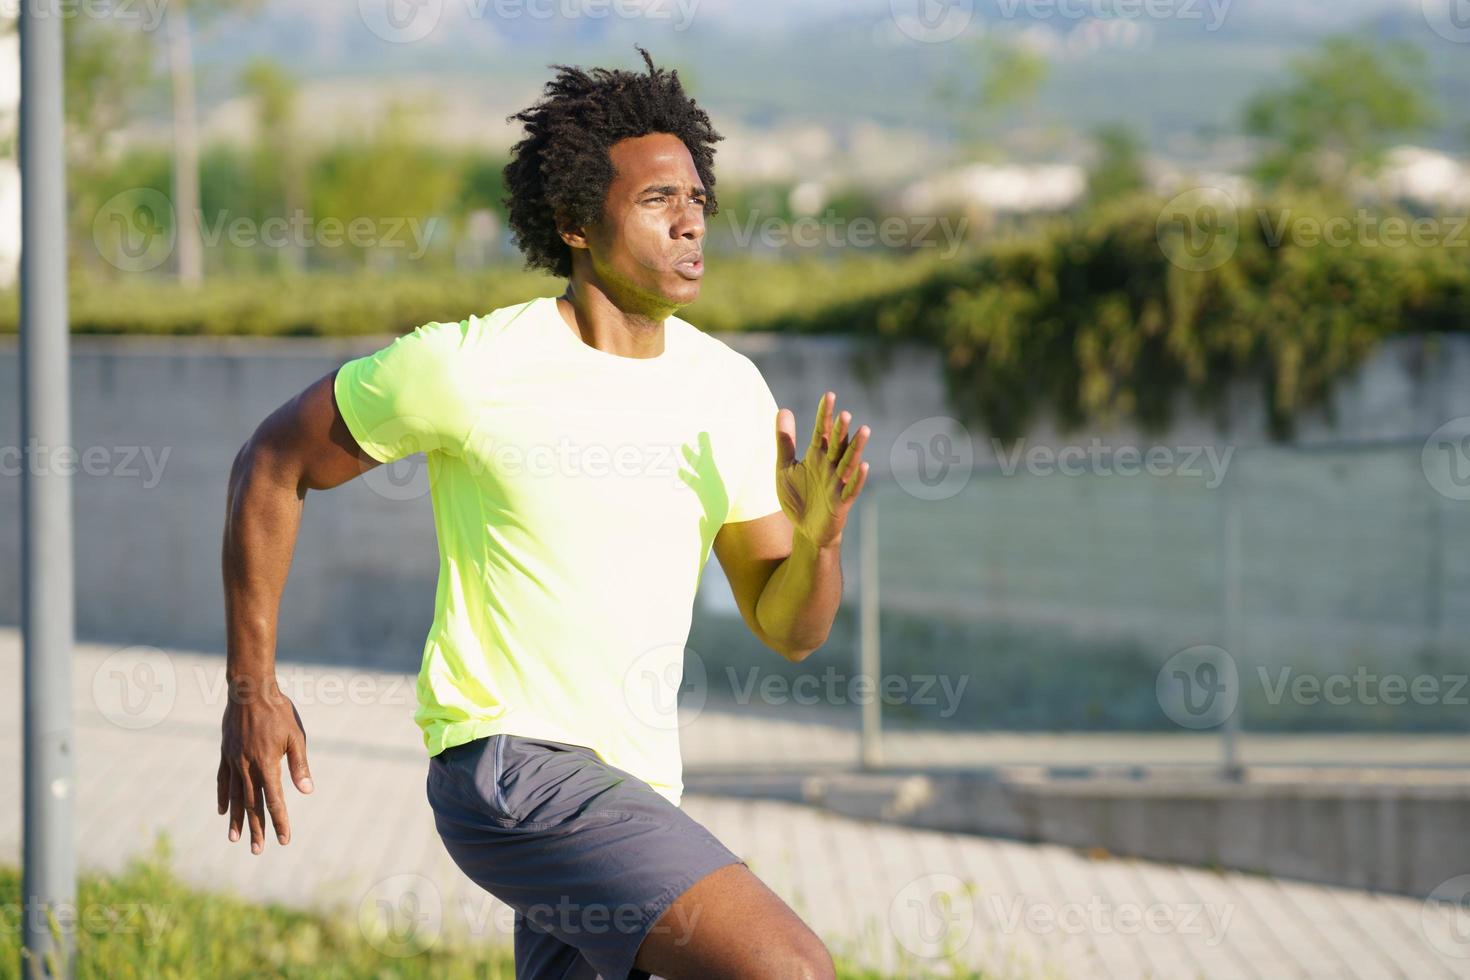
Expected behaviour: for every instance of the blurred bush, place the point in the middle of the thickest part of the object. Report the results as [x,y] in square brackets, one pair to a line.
[1091,318]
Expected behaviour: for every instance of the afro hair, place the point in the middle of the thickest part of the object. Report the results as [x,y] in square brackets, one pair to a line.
[562,165]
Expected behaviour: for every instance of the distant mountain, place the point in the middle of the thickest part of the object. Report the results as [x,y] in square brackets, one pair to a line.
[1178,79]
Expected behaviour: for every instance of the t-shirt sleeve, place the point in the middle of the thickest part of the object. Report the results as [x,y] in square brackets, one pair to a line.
[754,485]
[406,397]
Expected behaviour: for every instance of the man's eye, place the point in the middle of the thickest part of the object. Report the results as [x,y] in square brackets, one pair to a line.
[654,200]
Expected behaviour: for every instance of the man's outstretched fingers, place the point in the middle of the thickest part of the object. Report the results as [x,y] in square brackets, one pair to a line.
[237,801]
[822,423]
[296,760]
[255,809]
[222,785]
[276,804]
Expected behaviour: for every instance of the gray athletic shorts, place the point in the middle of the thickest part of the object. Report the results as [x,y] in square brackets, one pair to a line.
[588,855]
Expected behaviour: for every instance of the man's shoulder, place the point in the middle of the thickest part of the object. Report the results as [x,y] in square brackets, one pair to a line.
[711,350]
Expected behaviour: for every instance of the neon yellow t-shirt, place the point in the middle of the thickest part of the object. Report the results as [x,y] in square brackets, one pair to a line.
[576,497]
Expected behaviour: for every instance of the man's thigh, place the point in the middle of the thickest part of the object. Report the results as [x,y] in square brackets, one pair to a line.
[729,924]
[590,853]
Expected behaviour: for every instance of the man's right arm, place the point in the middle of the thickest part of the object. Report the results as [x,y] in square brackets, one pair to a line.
[303,445]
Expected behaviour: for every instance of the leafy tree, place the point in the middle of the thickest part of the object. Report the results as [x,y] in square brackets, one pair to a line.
[1119,169]
[1340,110]
[278,166]
[179,34]
[995,77]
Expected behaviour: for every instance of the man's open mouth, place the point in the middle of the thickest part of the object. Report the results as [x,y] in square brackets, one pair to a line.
[690,266]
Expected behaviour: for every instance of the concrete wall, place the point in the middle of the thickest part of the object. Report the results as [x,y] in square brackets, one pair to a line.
[1392,837]
[362,580]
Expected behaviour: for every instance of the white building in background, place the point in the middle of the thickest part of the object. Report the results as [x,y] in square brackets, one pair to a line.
[9,169]
[1427,178]
[999,188]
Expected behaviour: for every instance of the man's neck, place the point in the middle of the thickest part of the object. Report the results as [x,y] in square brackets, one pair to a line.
[598,322]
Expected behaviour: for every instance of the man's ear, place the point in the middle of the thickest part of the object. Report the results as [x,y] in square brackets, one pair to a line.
[574,235]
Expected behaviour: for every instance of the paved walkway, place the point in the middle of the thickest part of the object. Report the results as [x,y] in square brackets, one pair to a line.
[147,747]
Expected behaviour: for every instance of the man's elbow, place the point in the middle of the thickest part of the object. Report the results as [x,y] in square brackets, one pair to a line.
[795,652]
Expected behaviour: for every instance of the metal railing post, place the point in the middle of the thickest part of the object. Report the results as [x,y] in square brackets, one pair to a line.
[871,734]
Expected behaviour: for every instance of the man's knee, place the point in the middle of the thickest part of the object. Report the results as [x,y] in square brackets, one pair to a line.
[804,958]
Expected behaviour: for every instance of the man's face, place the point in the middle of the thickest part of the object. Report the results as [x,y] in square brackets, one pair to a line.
[648,249]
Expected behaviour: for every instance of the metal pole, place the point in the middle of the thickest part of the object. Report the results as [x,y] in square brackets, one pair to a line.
[49,871]
[870,736]
[1231,613]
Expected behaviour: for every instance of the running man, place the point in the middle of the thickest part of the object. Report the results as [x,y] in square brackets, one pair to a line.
[585,454]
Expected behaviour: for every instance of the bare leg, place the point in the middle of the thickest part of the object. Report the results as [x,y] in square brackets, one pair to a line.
[730,926]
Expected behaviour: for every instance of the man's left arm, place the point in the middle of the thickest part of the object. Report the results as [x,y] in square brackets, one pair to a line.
[785,568]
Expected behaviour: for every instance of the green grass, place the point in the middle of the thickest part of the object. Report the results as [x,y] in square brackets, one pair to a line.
[144,922]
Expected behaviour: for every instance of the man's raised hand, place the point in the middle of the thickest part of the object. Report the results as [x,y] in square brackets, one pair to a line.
[817,491]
